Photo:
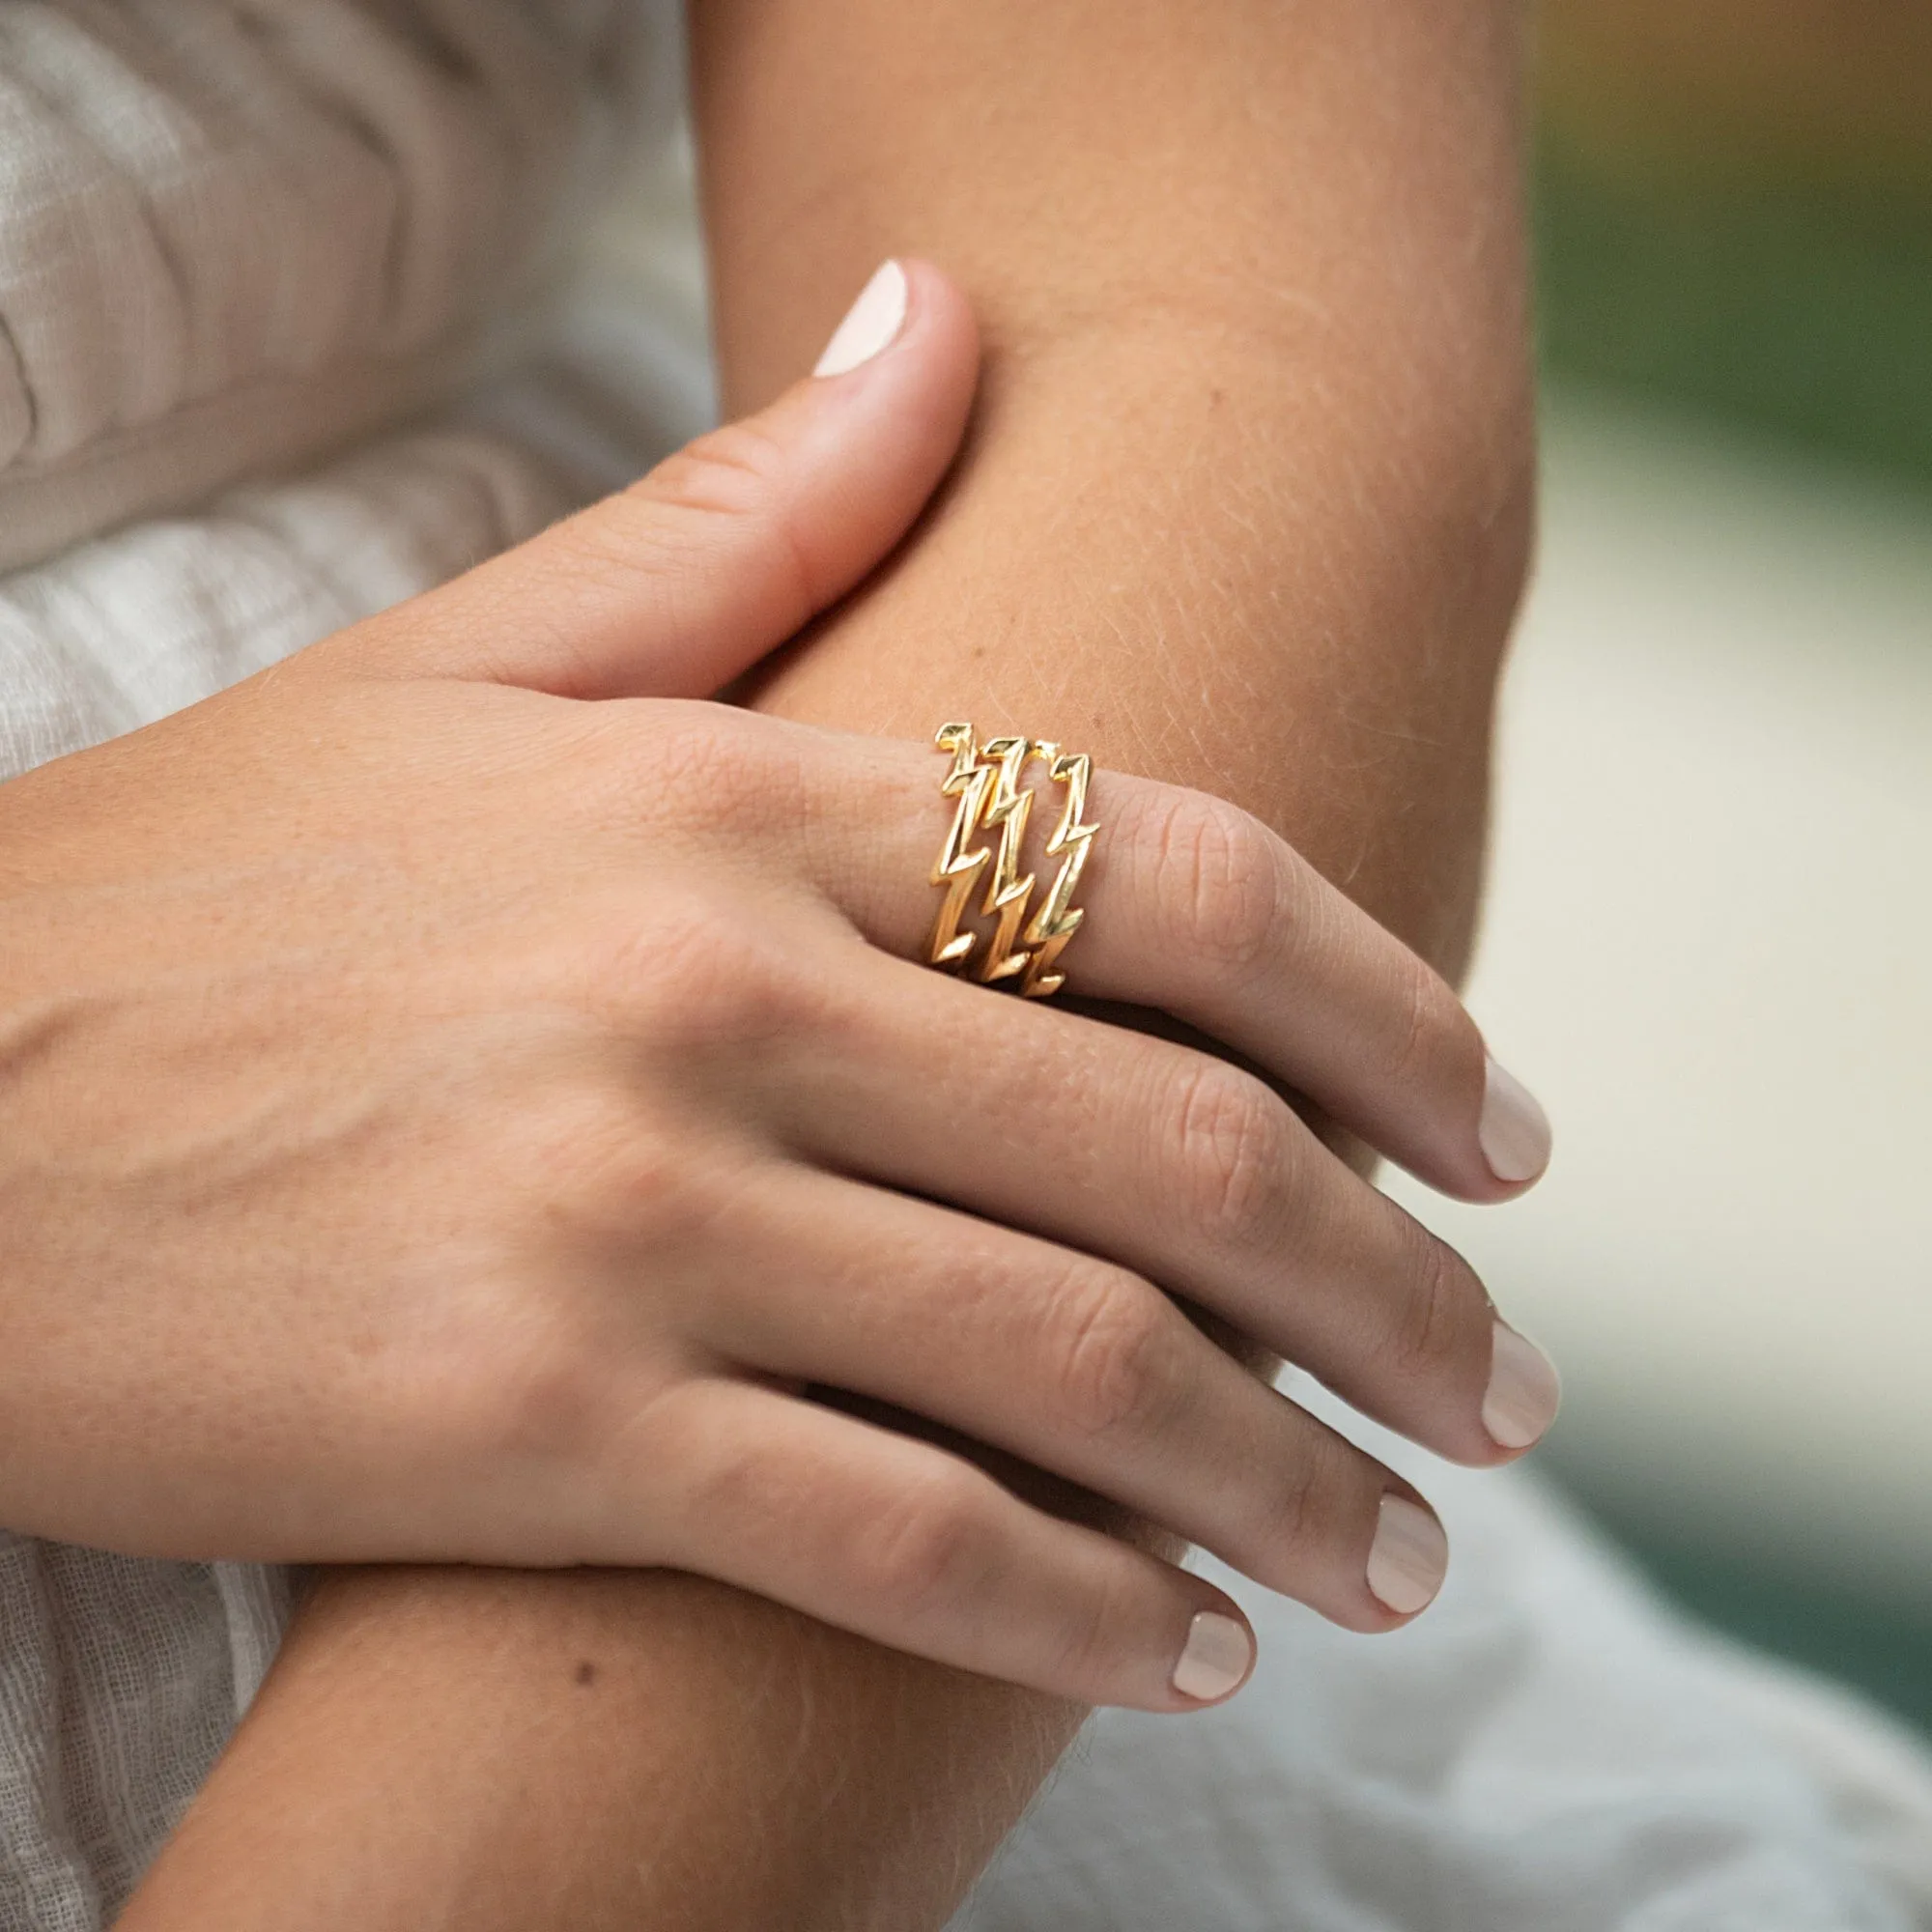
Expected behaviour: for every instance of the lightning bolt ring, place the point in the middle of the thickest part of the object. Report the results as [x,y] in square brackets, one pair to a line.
[993,804]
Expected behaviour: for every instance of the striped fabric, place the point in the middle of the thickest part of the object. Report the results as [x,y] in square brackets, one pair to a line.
[280,342]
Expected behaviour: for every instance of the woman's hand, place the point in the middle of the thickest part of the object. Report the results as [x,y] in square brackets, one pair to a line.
[449,1105]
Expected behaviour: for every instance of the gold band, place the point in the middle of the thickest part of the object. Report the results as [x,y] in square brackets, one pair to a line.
[987,781]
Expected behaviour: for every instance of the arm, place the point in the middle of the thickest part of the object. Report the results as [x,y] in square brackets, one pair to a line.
[1248,502]
[1246,507]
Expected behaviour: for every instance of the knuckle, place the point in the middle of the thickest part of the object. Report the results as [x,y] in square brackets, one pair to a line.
[699,970]
[556,1400]
[656,527]
[1236,1147]
[1112,1354]
[1303,1507]
[696,765]
[521,1380]
[1433,1314]
[729,476]
[729,470]
[1221,881]
[720,1487]
[648,1186]
[1095,1648]
[923,1547]
[1431,1021]
[592,1166]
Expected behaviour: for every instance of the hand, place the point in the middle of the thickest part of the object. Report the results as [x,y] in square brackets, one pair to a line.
[450,1102]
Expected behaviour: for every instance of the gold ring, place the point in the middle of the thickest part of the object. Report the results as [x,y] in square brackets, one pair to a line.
[991,798]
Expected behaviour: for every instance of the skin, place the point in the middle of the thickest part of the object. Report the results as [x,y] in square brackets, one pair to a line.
[403,1167]
[1245,505]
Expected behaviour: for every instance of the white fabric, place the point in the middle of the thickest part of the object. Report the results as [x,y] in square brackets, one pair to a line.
[241,243]
[234,236]
[236,232]
[1547,1749]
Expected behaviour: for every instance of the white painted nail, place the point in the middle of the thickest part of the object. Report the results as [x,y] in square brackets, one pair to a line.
[1219,1655]
[871,323]
[1408,1557]
[1514,1130]
[1524,1391]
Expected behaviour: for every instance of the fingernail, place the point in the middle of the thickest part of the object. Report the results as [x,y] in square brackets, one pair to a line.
[1407,1558]
[1524,1391]
[869,325]
[1219,1655]
[1514,1130]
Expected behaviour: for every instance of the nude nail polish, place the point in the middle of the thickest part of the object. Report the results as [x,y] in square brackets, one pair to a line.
[1524,1391]
[1408,1558]
[871,323]
[1217,1656]
[1514,1130]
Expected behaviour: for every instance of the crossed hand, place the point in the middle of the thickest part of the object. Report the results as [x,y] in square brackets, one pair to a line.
[461,1092]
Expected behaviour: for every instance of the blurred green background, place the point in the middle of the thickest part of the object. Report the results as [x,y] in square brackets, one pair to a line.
[1734,213]
[1734,222]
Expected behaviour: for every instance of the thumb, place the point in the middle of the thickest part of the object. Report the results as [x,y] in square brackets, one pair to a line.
[677,584]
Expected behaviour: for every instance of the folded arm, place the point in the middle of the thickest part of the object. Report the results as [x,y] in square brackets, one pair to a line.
[1245,506]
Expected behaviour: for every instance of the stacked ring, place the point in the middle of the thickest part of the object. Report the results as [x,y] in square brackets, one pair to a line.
[993,802]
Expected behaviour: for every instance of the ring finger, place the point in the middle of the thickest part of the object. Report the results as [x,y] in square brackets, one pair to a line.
[1197,909]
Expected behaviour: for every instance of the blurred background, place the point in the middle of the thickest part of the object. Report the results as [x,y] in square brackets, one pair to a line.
[1709,941]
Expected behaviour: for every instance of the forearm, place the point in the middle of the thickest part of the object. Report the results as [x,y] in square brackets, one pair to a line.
[493,1749]
[1114,573]
[1233,515]
[1245,507]
[1247,503]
